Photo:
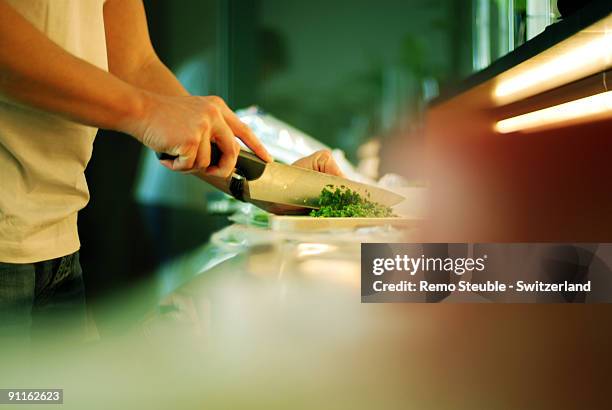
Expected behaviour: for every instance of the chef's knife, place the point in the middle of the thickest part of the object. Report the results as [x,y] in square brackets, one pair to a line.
[284,189]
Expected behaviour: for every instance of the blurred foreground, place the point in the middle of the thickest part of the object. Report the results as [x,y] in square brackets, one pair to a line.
[247,334]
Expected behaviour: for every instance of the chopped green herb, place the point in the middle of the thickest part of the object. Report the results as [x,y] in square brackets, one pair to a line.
[261,219]
[344,202]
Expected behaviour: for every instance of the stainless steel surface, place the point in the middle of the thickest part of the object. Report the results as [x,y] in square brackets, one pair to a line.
[286,189]
[301,188]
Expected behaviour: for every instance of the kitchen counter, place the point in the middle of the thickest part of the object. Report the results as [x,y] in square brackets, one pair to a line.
[249,251]
[266,320]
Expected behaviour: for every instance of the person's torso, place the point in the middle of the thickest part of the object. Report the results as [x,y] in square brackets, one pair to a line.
[43,156]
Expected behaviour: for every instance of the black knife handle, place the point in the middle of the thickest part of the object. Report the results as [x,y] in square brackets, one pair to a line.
[215,155]
[248,165]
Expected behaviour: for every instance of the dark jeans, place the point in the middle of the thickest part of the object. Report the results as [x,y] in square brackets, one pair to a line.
[42,301]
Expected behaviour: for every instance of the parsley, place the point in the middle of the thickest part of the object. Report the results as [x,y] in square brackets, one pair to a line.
[261,219]
[344,202]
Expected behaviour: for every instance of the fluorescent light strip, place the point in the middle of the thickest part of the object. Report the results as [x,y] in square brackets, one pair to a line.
[578,61]
[587,107]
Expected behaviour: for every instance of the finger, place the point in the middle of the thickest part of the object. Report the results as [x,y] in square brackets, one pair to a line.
[225,140]
[324,162]
[242,131]
[185,156]
[202,160]
[167,163]
[330,166]
[306,162]
[184,162]
[237,145]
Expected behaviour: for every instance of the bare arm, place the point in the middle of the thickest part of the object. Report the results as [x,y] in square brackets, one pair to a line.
[37,72]
[131,56]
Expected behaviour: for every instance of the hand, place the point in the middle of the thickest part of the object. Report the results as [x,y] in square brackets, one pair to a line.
[321,161]
[186,126]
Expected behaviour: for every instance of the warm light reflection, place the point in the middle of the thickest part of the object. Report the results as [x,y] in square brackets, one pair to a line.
[598,105]
[564,63]
[309,249]
[341,272]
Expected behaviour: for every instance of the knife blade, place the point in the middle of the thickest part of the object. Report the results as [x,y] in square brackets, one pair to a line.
[288,189]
